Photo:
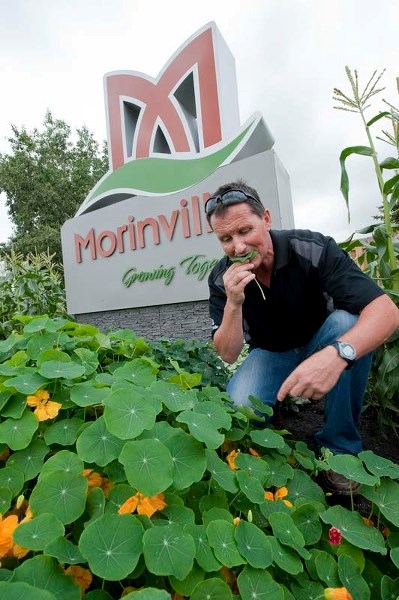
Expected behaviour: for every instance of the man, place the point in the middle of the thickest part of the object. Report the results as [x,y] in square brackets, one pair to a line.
[311,317]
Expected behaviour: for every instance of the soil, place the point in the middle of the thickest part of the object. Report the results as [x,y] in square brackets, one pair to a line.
[309,418]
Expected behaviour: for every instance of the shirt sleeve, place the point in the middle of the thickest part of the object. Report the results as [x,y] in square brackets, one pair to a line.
[217,295]
[350,288]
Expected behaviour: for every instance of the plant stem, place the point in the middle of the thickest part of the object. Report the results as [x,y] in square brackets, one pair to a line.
[385,203]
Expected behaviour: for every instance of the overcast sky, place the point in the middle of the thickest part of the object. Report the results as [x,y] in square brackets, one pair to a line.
[289,55]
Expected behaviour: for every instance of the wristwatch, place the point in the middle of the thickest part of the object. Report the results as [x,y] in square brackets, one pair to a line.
[346,351]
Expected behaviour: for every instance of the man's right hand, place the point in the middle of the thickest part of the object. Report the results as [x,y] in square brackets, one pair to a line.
[235,279]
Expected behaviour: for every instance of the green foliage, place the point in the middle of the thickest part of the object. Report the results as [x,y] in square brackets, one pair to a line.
[380,250]
[29,285]
[46,177]
[136,427]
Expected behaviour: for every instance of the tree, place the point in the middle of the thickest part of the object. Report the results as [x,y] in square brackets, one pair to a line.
[46,177]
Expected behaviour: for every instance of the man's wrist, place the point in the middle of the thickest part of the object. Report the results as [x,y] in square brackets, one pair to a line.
[345,351]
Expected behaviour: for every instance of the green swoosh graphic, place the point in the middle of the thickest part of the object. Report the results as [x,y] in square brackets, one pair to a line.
[164,175]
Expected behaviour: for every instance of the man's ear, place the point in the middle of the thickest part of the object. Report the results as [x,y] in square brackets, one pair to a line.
[267,218]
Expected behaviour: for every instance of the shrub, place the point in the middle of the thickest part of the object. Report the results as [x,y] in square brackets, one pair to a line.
[30,285]
[125,478]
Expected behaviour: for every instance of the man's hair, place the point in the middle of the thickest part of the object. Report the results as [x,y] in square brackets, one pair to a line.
[256,207]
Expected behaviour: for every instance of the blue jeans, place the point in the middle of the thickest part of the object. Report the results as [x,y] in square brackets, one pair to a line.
[263,372]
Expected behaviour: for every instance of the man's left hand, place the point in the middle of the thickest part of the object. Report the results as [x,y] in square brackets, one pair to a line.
[314,377]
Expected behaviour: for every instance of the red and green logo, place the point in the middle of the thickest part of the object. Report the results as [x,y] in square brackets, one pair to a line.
[169,133]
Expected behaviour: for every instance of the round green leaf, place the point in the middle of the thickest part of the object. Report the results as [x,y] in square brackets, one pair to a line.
[97,445]
[37,324]
[186,586]
[112,545]
[38,532]
[201,428]
[379,466]
[253,545]
[389,587]
[64,551]
[146,594]
[285,529]
[15,407]
[352,468]
[127,413]
[88,359]
[220,535]
[64,432]
[354,529]
[13,479]
[39,342]
[53,354]
[6,497]
[65,461]
[251,487]
[267,438]
[30,460]
[280,472]
[308,590]
[327,569]
[217,415]
[303,487]
[137,371]
[386,498]
[19,591]
[349,574]
[258,585]
[221,472]
[44,573]
[161,432]
[286,558]
[87,394]
[306,518]
[255,466]
[212,589]
[27,383]
[173,397]
[61,494]
[55,369]
[148,466]
[203,554]
[188,457]
[169,551]
[18,433]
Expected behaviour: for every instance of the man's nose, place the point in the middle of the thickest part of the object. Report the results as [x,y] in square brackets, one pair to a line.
[239,247]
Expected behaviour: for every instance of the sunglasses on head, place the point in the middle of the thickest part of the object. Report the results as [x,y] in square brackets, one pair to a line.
[227,199]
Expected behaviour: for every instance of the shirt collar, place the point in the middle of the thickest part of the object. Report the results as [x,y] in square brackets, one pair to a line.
[281,248]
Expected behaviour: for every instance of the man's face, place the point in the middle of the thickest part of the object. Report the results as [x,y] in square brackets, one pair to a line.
[239,231]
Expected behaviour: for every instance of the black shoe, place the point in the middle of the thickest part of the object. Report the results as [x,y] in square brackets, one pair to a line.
[339,484]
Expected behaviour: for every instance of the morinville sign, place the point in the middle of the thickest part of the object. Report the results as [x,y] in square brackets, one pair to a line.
[141,238]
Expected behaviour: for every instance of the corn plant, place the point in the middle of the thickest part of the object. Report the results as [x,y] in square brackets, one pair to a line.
[381,249]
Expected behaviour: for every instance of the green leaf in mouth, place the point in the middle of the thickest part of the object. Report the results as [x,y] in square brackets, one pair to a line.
[242,259]
[248,256]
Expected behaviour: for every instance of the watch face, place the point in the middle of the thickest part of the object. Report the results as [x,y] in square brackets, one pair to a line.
[347,351]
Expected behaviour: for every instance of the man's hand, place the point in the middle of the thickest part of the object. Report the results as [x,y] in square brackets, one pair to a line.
[314,377]
[237,276]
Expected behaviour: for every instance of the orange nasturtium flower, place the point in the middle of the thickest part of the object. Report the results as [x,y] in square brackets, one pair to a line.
[97,480]
[337,594]
[254,452]
[144,505]
[7,546]
[230,458]
[280,494]
[83,577]
[44,407]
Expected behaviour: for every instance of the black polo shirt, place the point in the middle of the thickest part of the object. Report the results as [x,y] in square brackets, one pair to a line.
[311,277]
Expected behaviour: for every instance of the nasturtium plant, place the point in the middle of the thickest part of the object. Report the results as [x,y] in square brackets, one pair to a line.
[129,473]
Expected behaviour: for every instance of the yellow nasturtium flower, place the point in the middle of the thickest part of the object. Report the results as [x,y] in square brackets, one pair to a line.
[44,407]
[279,494]
[337,594]
[144,505]
[230,458]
